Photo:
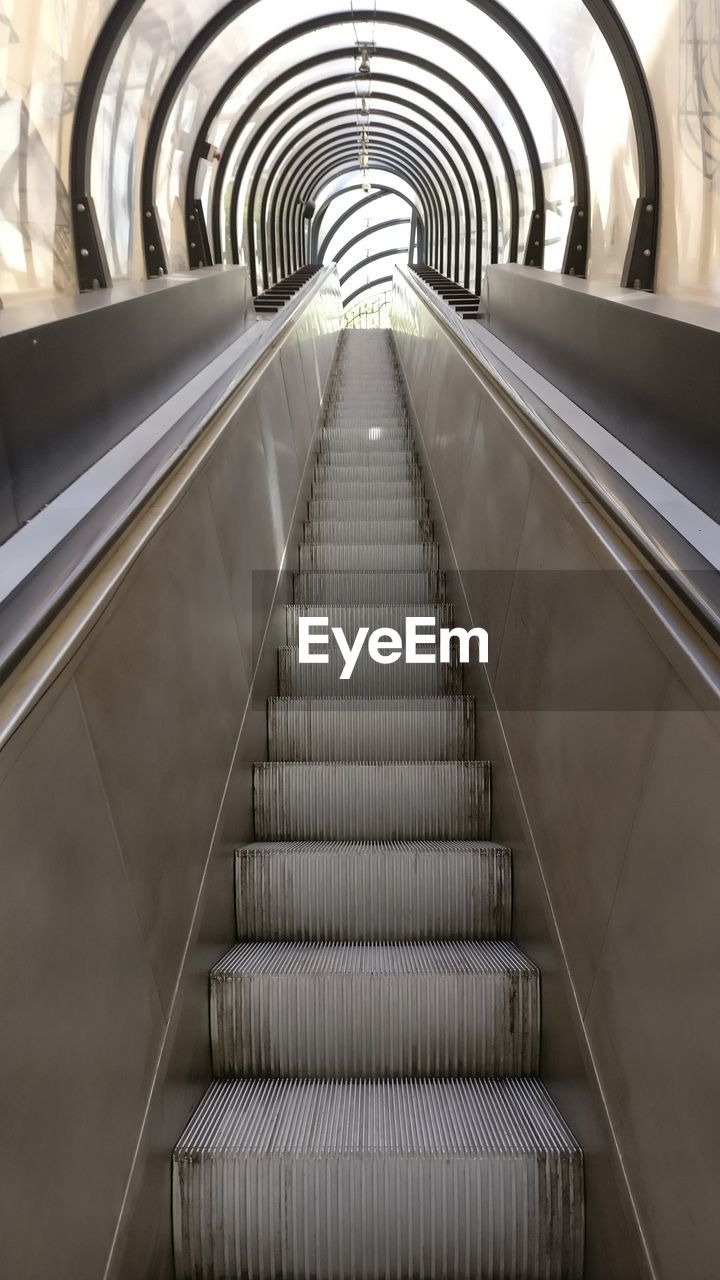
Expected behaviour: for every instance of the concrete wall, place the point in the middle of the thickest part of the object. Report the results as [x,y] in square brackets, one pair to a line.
[123,792]
[599,713]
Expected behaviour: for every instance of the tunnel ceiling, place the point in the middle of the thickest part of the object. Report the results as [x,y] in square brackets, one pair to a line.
[188,132]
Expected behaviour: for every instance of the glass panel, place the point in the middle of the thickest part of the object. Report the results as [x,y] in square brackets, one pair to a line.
[679,43]
[44,47]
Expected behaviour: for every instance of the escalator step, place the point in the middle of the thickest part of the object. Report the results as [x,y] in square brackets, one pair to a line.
[363,728]
[412,557]
[365,587]
[432,800]
[367,531]
[398,891]
[368,678]
[380,1179]
[351,617]
[348,1010]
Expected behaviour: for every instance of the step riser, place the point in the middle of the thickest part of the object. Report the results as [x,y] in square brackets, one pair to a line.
[379,557]
[372,801]
[368,679]
[369,588]
[336,1021]
[394,491]
[325,728]
[374,461]
[349,532]
[391,434]
[332,509]
[351,617]
[325,1179]
[356,893]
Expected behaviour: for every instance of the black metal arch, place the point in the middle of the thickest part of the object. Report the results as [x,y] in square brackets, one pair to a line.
[372,284]
[404,165]
[418,174]
[536,243]
[379,79]
[343,163]
[370,231]
[384,154]
[91,261]
[577,248]
[427,177]
[420,129]
[389,132]
[640,267]
[289,155]
[374,257]
[317,253]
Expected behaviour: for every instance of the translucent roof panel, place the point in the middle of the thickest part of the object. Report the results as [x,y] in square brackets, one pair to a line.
[44,48]
[679,43]
[46,45]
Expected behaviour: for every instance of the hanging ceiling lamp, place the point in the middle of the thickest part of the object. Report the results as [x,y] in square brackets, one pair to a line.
[364,68]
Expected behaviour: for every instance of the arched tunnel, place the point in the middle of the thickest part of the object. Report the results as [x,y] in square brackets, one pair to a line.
[359,639]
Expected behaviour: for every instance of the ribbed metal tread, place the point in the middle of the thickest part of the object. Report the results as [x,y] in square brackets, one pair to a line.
[351,617]
[412,557]
[346,490]
[374,459]
[367,728]
[365,531]
[369,679]
[430,1179]
[434,800]
[372,509]
[349,1010]
[330,891]
[376,437]
[366,587]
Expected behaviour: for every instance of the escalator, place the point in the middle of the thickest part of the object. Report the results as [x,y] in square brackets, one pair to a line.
[376,1109]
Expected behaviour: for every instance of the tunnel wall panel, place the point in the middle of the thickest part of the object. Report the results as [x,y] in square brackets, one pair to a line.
[604,748]
[122,796]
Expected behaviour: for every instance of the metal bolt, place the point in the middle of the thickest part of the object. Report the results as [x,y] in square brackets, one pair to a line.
[579,248]
[192,217]
[148,213]
[647,253]
[80,207]
[192,244]
[637,284]
[84,253]
[572,271]
[581,213]
[151,248]
[649,208]
[537,244]
[531,263]
[96,283]
[537,217]
[161,271]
